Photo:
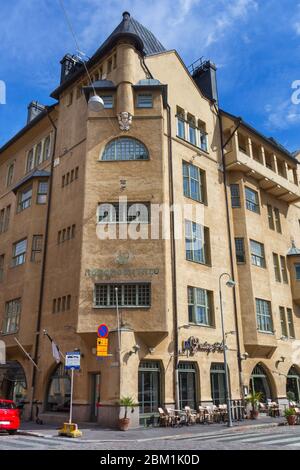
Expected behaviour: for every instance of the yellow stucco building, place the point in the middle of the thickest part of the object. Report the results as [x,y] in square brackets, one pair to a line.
[85,241]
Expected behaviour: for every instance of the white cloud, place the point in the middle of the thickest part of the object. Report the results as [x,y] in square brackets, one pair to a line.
[297,27]
[282,115]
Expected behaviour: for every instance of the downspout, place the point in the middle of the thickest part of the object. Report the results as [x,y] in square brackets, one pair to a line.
[230,238]
[173,261]
[43,269]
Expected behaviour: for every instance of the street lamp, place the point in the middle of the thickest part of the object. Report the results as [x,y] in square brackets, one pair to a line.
[230,283]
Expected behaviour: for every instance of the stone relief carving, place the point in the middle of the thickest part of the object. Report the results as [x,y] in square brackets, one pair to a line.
[125,121]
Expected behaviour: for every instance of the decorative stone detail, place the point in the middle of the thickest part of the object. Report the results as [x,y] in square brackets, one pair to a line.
[125,121]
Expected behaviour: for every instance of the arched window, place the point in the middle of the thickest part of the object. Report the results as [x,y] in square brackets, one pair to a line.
[259,383]
[46,155]
[125,149]
[59,391]
[293,385]
[13,385]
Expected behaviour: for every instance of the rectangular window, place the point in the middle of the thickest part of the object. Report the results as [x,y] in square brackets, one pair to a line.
[68,302]
[240,251]
[2,258]
[276,267]
[197,244]
[194,182]
[283,267]
[290,322]
[11,317]
[297,269]
[124,213]
[145,101]
[37,248]
[257,254]
[277,220]
[180,123]
[2,215]
[264,316]
[271,217]
[200,306]
[19,252]
[109,65]
[76,172]
[129,295]
[252,200]
[283,323]
[42,192]
[63,181]
[108,101]
[25,198]
[54,306]
[235,196]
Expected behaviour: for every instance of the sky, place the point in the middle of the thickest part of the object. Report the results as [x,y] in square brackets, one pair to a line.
[254,43]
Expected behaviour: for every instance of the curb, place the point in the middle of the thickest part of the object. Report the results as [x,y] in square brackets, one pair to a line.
[167,437]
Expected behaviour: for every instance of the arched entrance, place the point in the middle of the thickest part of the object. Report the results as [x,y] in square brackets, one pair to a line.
[293,384]
[259,383]
[188,379]
[59,391]
[13,385]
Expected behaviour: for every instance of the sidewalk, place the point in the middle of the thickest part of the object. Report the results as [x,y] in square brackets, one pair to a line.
[93,433]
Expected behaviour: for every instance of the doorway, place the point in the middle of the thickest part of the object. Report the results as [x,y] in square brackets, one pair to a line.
[96,386]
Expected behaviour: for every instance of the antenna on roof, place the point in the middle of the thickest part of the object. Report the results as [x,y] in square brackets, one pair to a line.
[95,103]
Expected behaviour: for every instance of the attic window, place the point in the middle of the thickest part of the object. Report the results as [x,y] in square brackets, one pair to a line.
[109,65]
[145,101]
[108,102]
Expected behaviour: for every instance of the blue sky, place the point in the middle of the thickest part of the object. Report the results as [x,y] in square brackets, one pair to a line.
[255,44]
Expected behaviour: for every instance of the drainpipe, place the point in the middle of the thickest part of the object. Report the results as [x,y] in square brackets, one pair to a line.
[230,239]
[173,255]
[43,269]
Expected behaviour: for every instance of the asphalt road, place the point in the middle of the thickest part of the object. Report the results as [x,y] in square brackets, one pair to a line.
[284,438]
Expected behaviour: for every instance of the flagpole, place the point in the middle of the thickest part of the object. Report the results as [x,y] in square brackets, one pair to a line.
[52,341]
[26,353]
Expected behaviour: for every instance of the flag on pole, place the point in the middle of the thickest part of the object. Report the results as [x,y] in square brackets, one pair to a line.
[55,353]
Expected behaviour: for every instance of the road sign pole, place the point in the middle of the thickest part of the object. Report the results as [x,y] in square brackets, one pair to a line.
[71,401]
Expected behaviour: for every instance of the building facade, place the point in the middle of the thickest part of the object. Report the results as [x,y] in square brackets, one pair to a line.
[87,238]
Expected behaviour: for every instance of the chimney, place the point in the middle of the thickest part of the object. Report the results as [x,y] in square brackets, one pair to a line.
[205,77]
[69,65]
[34,109]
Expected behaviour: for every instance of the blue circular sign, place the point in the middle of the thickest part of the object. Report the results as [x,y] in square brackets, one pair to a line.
[103,331]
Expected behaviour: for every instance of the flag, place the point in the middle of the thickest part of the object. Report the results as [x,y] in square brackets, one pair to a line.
[55,352]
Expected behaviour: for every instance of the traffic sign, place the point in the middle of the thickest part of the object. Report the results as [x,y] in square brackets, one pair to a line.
[102,347]
[103,331]
[73,360]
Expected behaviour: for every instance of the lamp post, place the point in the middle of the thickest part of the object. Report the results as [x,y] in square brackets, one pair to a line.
[230,283]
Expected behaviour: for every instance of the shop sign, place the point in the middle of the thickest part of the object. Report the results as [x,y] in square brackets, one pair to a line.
[194,345]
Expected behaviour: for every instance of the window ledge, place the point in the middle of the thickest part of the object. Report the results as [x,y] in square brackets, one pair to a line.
[200,325]
[121,307]
[270,333]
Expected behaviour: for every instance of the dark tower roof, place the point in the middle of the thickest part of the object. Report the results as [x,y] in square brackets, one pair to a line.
[146,42]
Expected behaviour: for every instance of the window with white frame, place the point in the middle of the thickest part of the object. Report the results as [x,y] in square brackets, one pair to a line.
[202,136]
[42,192]
[130,212]
[197,243]
[129,295]
[258,254]
[290,322]
[276,267]
[38,154]
[264,316]
[180,123]
[284,330]
[30,161]
[25,198]
[252,200]
[192,130]
[19,252]
[47,148]
[194,182]
[200,306]
[145,100]
[11,317]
